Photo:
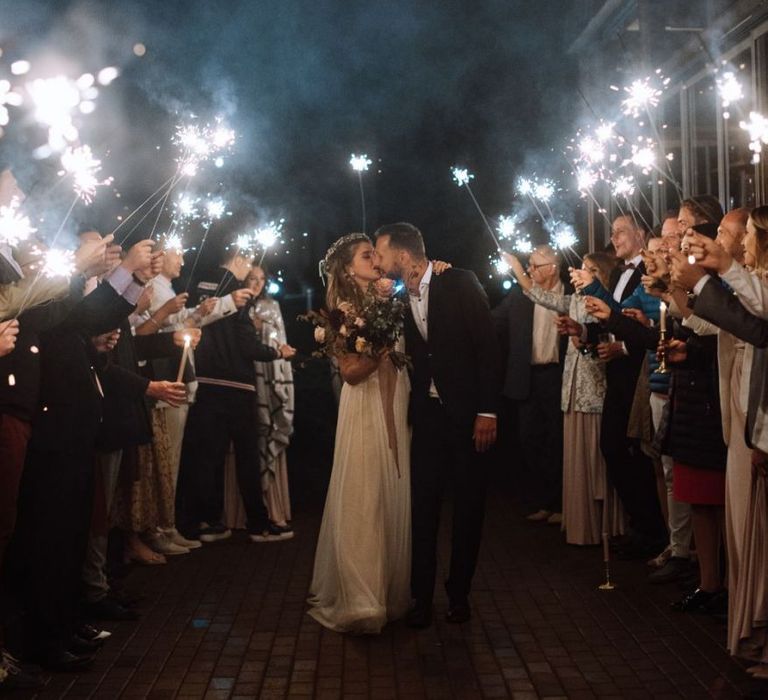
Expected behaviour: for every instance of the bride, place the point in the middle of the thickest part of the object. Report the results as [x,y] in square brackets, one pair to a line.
[361,577]
[362,573]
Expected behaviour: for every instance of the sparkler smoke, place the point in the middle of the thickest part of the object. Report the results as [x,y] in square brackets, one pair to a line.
[14,227]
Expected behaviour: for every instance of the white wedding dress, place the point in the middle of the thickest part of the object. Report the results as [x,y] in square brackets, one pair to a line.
[362,570]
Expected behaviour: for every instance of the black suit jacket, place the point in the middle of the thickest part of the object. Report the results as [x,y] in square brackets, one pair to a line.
[69,409]
[461,354]
[621,373]
[514,325]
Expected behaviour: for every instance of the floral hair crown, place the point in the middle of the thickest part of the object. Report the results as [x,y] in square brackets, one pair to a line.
[338,245]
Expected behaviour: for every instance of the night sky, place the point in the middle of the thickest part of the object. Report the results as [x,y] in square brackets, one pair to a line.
[418,86]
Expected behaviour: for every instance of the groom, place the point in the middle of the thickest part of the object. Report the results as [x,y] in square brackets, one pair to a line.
[449,335]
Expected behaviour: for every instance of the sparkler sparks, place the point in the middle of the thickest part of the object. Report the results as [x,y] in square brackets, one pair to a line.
[199,143]
[591,150]
[7,97]
[562,236]
[585,179]
[757,128]
[266,236]
[642,96]
[501,266]
[14,227]
[461,176]
[623,186]
[80,163]
[360,163]
[174,243]
[643,157]
[543,190]
[730,90]
[508,231]
[185,207]
[215,209]
[58,263]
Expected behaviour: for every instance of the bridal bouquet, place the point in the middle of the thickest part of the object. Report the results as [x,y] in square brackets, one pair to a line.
[372,330]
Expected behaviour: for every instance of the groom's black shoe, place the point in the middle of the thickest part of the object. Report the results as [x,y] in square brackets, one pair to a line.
[419,616]
[458,612]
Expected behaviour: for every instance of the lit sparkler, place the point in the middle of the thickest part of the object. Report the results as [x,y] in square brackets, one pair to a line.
[58,263]
[730,90]
[267,236]
[14,227]
[591,150]
[8,97]
[642,96]
[200,143]
[508,231]
[644,157]
[215,209]
[623,186]
[174,243]
[84,168]
[462,176]
[501,266]
[757,127]
[585,179]
[360,163]
[562,236]
[185,207]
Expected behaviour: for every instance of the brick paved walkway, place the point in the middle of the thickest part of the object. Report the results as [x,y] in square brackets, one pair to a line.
[228,621]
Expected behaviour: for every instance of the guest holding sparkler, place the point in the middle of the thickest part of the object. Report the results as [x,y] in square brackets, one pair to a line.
[746,509]
[629,470]
[588,509]
[533,381]
[9,330]
[224,411]
[274,413]
[693,438]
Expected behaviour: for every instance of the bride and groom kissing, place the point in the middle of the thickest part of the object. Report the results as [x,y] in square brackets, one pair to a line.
[401,437]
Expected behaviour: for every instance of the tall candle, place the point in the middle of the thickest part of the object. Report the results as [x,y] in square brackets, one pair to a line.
[663,317]
[606,548]
[184,355]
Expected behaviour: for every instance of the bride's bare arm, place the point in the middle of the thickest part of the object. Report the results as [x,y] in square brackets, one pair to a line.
[355,368]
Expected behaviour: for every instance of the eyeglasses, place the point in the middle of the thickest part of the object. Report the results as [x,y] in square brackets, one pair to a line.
[531,266]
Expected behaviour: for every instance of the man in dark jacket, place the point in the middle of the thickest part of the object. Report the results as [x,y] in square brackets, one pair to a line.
[222,413]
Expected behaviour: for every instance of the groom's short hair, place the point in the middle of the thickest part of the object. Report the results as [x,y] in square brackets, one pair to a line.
[404,236]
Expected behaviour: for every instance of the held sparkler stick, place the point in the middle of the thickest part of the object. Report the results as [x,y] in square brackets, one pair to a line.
[462,177]
[608,585]
[184,356]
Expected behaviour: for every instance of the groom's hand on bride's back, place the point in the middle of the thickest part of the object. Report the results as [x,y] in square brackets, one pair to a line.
[484,434]
[439,266]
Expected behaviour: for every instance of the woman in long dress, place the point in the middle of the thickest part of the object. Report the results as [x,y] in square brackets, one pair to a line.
[362,567]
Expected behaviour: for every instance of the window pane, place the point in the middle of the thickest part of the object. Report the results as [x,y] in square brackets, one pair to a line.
[704,141]
[672,153]
[741,171]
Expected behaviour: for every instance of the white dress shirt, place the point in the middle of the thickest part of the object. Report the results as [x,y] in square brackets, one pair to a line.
[545,345]
[420,310]
[621,285]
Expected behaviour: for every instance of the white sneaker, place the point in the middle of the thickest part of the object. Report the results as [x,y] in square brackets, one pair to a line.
[163,544]
[177,538]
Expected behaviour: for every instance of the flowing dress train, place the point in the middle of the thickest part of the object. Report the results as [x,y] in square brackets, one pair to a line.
[362,569]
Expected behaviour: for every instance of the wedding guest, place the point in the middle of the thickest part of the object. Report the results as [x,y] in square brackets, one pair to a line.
[693,438]
[224,412]
[48,547]
[274,413]
[167,313]
[629,470]
[588,507]
[533,382]
[747,579]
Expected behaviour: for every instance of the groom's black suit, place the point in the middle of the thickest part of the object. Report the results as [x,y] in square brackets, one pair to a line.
[462,357]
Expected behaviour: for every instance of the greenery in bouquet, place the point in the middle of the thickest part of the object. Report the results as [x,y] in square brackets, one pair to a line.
[371,328]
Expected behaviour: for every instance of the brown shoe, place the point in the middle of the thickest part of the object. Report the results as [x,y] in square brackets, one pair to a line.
[539,516]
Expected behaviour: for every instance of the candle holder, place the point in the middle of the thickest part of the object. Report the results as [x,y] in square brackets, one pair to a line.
[662,368]
[608,585]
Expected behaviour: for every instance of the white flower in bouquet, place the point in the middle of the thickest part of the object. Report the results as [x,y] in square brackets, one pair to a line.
[343,332]
[346,308]
[319,334]
[384,287]
[360,322]
[360,344]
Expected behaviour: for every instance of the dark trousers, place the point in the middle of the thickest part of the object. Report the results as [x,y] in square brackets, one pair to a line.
[14,435]
[46,554]
[442,450]
[540,430]
[220,415]
[631,472]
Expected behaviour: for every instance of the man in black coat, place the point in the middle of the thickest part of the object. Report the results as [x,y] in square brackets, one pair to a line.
[533,383]
[455,381]
[48,547]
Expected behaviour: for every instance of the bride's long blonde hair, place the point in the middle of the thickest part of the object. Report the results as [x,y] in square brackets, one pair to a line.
[341,287]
